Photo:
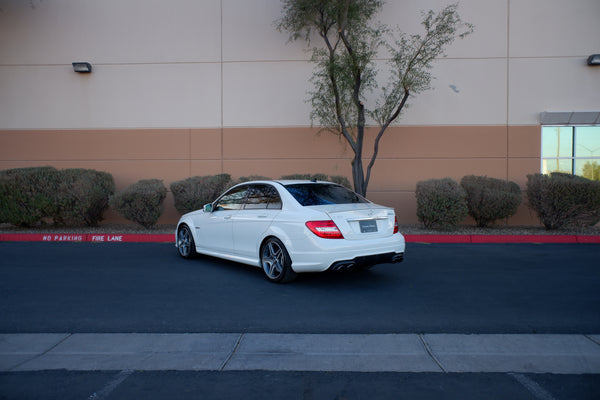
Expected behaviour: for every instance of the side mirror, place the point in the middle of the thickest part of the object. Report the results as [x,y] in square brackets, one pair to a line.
[208,208]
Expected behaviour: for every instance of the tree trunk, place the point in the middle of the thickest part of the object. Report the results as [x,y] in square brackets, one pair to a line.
[358,175]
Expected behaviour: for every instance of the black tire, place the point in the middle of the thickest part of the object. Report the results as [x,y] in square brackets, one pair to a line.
[185,242]
[275,261]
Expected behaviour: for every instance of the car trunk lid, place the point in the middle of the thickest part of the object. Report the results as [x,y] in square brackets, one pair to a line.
[361,221]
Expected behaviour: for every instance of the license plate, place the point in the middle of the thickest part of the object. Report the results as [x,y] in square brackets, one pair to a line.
[368,226]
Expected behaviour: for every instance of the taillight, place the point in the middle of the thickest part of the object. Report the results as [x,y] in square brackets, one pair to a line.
[395,225]
[325,229]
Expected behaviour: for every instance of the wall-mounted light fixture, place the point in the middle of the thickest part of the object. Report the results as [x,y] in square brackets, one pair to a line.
[594,59]
[82,67]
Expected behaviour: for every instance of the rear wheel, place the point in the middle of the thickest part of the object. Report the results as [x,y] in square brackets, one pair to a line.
[185,242]
[275,261]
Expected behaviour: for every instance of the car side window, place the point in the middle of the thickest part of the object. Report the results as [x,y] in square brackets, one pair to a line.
[233,200]
[262,197]
[274,199]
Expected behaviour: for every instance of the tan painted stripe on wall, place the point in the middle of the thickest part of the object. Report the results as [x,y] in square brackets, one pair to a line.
[407,155]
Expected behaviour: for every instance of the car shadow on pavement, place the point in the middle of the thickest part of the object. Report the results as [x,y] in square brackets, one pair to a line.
[234,270]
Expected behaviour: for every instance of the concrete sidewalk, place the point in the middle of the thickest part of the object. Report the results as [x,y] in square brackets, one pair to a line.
[526,353]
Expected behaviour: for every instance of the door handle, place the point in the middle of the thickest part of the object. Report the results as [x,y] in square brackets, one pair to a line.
[227,217]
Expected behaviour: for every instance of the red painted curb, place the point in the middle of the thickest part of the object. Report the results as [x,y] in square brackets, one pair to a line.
[523,239]
[588,239]
[87,237]
[170,238]
[437,238]
[501,239]
[153,238]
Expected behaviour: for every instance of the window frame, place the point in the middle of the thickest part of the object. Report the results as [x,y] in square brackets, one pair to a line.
[268,204]
[574,157]
[231,191]
[247,189]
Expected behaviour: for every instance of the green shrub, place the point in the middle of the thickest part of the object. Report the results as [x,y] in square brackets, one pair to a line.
[141,202]
[243,179]
[562,200]
[193,193]
[441,203]
[82,196]
[308,177]
[27,194]
[339,179]
[490,199]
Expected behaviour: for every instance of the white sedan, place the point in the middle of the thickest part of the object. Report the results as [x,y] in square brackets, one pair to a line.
[290,227]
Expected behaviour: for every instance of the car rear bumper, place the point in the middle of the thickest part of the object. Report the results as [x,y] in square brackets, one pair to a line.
[367,261]
[332,254]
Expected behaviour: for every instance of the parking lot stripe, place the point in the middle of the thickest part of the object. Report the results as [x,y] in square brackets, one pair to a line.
[534,388]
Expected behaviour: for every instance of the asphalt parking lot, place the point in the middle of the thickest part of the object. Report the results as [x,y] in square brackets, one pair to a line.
[453,320]
[294,385]
[439,288]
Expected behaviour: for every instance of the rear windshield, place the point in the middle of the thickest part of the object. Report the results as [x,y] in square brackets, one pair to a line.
[318,194]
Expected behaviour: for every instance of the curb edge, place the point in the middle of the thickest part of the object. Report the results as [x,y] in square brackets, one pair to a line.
[409,238]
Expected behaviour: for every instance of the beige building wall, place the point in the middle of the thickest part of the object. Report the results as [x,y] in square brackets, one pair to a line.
[407,155]
[184,87]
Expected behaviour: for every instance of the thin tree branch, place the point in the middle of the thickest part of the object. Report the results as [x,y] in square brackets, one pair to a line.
[381,132]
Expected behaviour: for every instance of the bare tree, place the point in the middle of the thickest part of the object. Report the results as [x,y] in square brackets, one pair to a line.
[345,70]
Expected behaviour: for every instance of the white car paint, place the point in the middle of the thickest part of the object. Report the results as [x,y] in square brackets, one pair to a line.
[238,234]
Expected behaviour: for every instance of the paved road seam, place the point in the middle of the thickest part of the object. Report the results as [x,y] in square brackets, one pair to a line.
[595,340]
[43,353]
[428,350]
[237,344]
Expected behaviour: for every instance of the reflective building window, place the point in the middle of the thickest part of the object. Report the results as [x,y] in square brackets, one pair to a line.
[571,149]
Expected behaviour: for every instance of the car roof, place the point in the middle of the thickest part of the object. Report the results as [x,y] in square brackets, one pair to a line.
[298,181]
[287,182]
